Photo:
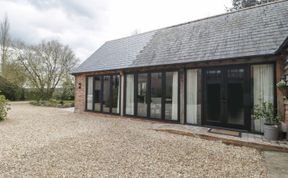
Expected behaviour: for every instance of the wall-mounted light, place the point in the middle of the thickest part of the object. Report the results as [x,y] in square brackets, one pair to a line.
[79,85]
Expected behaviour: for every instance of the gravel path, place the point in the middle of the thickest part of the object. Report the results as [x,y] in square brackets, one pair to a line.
[49,142]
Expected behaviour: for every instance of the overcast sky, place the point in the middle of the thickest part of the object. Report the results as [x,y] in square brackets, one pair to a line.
[85,25]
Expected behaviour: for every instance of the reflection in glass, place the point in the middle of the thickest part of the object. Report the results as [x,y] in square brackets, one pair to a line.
[106,93]
[171,96]
[263,89]
[235,104]
[191,98]
[129,94]
[97,94]
[156,95]
[214,102]
[115,94]
[89,98]
[142,95]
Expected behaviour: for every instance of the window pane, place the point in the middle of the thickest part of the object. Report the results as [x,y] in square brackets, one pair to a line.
[156,95]
[191,105]
[235,103]
[106,93]
[97,94]
[130,94]
[214,102]
[263,88]
[115,94]
[142,95]
[171,98]
[89,98]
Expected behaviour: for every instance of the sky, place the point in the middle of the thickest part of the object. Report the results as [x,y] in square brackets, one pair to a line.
[85,25]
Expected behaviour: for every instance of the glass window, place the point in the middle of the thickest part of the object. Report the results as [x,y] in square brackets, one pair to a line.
[89,96]
[171,96]
[115,94]
[263,88]
[129,110]
[142,95]
[191,105]
[156,95]
[106,93]
[97,94]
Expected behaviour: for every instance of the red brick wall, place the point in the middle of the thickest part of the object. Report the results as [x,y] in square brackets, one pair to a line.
[80,92]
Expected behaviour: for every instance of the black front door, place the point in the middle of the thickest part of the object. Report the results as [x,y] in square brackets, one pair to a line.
[227,97]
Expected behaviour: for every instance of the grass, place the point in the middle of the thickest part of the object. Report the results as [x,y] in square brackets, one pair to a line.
[54,103]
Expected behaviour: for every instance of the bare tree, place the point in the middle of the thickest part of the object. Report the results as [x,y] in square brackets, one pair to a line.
[135,32]
[4,43]
[46,65]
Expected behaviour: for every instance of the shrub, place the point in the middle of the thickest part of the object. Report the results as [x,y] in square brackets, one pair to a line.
[10,90]
[54,103]
[3,107]
[31,94]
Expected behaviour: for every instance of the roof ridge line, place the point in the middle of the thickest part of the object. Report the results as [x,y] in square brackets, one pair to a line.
[227,13]
[201,19]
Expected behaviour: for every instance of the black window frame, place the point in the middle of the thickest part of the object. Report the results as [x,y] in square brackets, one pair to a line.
[163,88]
[101,93]
[201,84]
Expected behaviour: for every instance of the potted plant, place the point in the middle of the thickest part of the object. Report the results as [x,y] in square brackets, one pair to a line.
[265,111]
[282,86]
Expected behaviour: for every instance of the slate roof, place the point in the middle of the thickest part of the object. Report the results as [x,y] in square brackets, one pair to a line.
[250,32]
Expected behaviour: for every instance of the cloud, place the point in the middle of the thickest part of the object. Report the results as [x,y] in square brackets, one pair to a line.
[86,25]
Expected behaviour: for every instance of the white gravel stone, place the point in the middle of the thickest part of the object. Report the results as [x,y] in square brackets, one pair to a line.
[49,142]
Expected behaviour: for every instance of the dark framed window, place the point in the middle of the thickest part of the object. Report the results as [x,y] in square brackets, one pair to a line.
[103,94]
[142,94]
[106,103]
[171,95]
[129,94]
[97,93]
[152,95]
[156,95]
[115,94]
[89,93]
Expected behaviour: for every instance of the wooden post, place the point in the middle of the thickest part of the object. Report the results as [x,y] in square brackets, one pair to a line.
[122,77]
[182,95]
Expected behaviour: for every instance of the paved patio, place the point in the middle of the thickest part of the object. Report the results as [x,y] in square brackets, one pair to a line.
[247,139]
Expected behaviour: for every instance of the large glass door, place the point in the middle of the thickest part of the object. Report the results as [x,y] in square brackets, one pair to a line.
[226,97]
[152,95]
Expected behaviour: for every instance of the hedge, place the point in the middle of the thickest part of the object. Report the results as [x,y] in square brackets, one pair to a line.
[11,91]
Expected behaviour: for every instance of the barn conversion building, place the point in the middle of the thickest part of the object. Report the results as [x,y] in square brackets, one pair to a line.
[208,72]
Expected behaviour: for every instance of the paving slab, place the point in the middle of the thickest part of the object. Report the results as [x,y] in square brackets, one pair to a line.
[277,164]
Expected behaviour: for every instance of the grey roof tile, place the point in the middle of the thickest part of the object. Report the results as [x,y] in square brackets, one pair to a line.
[255,31]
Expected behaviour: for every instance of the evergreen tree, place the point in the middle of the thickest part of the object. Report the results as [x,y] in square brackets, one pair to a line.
[241,4]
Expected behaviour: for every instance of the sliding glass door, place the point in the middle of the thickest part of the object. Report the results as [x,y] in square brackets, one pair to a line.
[129,94]
[152,95]
[97,93]
[103,94]
[106,103]
[142,95]
[171,96]
[115,101]
[156,95]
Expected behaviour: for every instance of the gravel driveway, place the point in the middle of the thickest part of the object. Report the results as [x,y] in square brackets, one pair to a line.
[40,141]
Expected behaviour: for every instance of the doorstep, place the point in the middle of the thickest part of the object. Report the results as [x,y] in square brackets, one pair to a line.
[247,139]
